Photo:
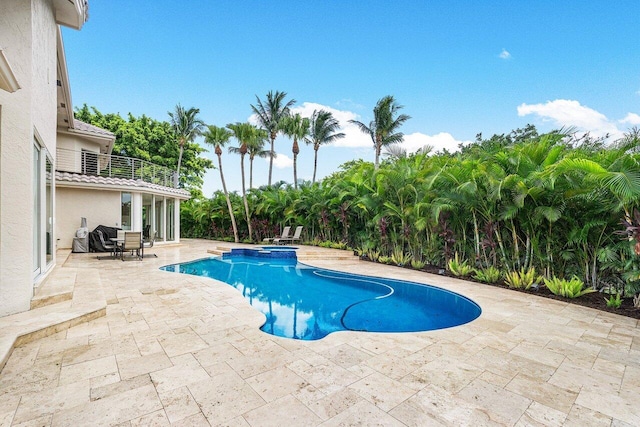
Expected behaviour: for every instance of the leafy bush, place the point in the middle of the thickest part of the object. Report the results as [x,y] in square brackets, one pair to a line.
[417,264]
[614,301]
[573,288]
[488,275]
[384,259]
[339,245]
[400,258]
[373,255]
[459,268]
[522,279]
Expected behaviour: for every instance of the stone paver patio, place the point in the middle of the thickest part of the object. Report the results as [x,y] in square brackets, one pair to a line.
[180,350]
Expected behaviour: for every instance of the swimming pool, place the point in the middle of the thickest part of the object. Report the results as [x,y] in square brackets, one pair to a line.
[307,303]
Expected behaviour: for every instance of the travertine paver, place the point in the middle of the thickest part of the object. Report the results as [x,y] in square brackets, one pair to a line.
[183,350]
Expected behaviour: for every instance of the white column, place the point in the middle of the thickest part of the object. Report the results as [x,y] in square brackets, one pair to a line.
[136,211]
[176,222]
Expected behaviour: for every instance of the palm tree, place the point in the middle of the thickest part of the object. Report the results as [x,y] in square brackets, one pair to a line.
[245,133]
[218,137]
[270,114]
[297,128]
[383,128]
[186,125]
[322,128]
[256,149]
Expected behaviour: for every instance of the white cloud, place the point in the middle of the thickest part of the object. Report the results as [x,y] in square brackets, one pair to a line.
[281,161]
[569,113]
[356,139]
[631,118]
[443,140]
[505,54]
[353,136]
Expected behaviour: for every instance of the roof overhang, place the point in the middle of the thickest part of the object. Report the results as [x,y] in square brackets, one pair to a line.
[65,119]
[8,80]
[74,180]
[65,105]
[71,13]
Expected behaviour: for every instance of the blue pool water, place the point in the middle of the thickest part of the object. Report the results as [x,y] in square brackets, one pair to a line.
[307,303]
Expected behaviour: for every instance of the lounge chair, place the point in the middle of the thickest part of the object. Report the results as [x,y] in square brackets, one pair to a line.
[294,238]
[132,242]
[284,235]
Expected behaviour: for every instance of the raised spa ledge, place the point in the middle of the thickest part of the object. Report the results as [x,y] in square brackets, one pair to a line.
[270,252]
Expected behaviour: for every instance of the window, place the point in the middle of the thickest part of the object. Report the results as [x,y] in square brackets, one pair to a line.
[89,162]
[159,214]
[147,215]
[170,219]
[49,208]
[125,217]
[37,208]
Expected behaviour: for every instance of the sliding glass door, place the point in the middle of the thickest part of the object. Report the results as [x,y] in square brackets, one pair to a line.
[37,208]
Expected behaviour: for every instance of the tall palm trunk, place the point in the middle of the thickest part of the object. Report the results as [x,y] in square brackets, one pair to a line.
[296,150]
[272,137]
[315,162]
[378,151]
[226,195]
[243,151]
[251,172]
[177,177]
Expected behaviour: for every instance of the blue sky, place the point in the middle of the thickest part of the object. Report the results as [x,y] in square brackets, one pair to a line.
[459,67]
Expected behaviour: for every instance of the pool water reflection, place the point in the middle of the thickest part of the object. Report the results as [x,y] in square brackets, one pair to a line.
[307,303]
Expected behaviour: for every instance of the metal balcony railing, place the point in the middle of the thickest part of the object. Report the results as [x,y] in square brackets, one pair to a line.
[96,164]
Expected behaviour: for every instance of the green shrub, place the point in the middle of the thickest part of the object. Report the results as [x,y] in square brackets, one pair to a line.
[384,259]
[522,279]
[573,288]
[614,301]
[459,268]
[418,264]
[398,257]
[338,245]
[373,255]
[488,275]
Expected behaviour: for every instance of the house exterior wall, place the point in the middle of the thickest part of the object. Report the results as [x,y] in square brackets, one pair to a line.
[70,149]
[28,33]
[100,207]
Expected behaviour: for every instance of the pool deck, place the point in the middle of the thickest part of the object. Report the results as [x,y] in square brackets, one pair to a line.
[124,343]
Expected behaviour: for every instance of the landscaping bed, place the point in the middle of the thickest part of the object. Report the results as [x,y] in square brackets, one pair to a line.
[595,300]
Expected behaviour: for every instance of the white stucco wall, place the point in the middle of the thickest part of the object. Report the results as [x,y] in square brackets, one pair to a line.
[28,36]
[100,207]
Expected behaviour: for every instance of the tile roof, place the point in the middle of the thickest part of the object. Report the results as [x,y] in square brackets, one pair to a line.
[121,182]
[86,127]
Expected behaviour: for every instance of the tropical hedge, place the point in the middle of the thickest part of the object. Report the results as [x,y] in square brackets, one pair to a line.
[561,204]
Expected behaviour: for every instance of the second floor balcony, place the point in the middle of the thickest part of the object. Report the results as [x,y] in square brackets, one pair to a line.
[91,163]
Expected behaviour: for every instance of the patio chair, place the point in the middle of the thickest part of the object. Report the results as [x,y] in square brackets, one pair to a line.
[149,244]
[110,246]
[283,235]
[294,238]
[132,242]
